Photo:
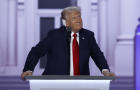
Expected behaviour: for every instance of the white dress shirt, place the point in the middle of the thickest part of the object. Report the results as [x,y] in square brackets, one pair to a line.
[71,53]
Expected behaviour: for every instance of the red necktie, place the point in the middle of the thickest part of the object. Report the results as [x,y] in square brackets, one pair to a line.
[75,49]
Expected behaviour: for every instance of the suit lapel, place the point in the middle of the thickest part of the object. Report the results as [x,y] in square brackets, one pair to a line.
[81,39]
[81,44]
[66,42]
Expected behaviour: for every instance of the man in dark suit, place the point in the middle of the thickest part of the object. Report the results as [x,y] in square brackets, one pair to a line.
[68,49]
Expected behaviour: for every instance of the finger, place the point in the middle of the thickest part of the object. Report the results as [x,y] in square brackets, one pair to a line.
[106,74]
[23,77]
[29,74]
[112,74]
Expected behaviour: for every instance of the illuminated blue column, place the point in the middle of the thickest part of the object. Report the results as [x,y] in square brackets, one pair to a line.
[137,58]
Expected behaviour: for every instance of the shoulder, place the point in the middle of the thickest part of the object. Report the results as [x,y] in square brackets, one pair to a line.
[53,31]
[56,31]
[88,32]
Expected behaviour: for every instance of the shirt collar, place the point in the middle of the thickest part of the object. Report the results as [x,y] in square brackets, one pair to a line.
[72,33]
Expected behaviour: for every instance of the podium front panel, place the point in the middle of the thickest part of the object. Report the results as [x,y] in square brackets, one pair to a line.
[69,84]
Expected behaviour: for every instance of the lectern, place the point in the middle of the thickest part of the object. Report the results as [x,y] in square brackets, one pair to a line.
[52,82]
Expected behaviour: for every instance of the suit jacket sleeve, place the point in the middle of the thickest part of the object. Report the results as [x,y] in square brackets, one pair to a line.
[36,52]
[97,55]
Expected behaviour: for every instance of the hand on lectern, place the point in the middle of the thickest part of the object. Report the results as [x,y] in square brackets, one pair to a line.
[107,73]
[24,74]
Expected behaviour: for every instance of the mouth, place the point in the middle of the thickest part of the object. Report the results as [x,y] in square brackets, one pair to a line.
[78,23]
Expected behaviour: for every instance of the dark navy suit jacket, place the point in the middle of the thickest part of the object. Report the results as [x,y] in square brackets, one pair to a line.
[56,46]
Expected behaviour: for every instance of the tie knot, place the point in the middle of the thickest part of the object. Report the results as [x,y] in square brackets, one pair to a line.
[75,35]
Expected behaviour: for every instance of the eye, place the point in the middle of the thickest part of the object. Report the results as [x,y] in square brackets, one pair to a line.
[74,17]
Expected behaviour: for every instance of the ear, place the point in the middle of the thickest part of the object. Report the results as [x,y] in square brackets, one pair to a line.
[64,22]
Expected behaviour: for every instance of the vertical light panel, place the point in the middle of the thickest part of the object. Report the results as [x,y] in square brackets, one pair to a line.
[137,58]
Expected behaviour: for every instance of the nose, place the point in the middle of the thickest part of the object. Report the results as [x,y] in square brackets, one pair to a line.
[78,20]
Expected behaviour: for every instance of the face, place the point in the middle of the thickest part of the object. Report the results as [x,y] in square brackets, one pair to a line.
[74,21]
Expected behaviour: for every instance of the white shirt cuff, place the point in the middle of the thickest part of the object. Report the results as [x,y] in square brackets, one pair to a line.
[29,71]
[105,70]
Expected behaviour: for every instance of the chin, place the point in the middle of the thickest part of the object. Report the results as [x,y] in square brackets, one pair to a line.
[78,28]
